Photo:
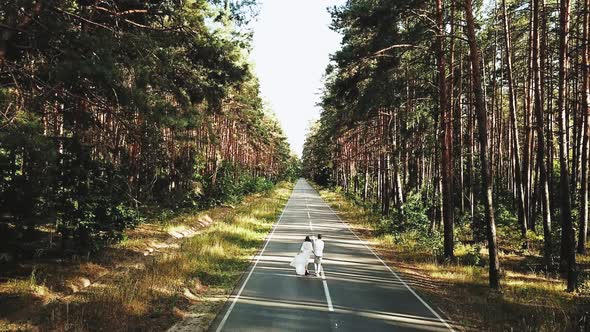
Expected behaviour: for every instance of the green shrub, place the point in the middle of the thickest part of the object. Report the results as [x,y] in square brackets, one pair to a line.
[584,284]
[256,185]
[231,185]
[413,215]
[409,227]
[96,222]
[473,256]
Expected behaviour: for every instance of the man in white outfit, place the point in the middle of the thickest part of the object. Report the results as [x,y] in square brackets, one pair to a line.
[318,252]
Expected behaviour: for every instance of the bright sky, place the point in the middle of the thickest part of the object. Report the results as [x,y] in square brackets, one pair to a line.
[292,47]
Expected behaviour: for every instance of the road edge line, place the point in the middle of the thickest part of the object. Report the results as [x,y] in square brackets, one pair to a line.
[237,296]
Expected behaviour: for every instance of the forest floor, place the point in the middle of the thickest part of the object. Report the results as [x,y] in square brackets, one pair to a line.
[164,271]
[530,300]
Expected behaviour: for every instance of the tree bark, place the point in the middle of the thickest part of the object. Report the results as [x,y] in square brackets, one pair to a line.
[514,128]
[538,78]
[446,137]
[583,222]
[568,255]
[474,55]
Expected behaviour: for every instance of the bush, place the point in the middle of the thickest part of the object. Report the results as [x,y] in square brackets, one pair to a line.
[473,256]
[232,184]
[410,227]
[96,222]
[584,284]
[27,168]
[413,215]
[256,185]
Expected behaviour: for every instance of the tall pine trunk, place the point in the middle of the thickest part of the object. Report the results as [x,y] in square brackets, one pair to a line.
[539,83]
[583,222]
[446,137]
[568,255]
[483,141]
[514,129]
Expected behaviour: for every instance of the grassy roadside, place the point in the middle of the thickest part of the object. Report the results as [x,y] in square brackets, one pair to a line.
[530,300]
[163,272]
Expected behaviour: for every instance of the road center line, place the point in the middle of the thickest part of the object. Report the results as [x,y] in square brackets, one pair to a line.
[324,282]
[327,291]
[389,268]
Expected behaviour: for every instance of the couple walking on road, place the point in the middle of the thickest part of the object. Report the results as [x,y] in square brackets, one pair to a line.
[309,247]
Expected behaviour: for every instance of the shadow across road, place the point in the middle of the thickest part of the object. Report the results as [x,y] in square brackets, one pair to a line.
[357,292]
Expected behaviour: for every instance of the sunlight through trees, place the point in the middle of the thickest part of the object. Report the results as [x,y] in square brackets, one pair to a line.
[481,110]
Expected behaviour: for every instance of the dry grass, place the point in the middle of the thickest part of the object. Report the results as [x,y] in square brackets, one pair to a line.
[151,280]
[530,300]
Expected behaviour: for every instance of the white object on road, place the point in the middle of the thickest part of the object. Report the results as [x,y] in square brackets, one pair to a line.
[301,260]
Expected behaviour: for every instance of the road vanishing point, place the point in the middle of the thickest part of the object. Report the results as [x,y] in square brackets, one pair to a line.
[357,291]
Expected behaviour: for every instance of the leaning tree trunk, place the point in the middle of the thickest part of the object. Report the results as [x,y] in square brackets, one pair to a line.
[483,141]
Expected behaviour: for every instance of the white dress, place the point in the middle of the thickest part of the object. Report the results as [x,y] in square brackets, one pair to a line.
[301,260]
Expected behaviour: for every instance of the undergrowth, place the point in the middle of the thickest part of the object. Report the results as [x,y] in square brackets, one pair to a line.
[150,293]
[532,299]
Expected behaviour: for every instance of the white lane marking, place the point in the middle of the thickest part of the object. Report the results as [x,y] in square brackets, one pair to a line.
[389,268]
[327,291]
[324,282]
[308,216]
[235,300]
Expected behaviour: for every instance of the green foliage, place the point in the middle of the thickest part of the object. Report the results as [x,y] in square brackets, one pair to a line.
[316,162]
[130,106]
[473,256]
[409,226]
[256,185]
[412,215]
[232,184]
[293,169]
[23,195]
[370,76]
[584,284]
[98,222]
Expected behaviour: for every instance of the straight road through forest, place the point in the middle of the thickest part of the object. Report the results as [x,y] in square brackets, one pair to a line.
[357,291]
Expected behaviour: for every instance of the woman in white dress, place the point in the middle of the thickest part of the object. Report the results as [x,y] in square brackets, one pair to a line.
[302,258]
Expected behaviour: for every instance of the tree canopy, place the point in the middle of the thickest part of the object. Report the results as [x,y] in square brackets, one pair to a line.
[448,114]
[112,107]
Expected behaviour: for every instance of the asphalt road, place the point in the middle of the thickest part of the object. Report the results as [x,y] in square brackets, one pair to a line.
[357,291]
